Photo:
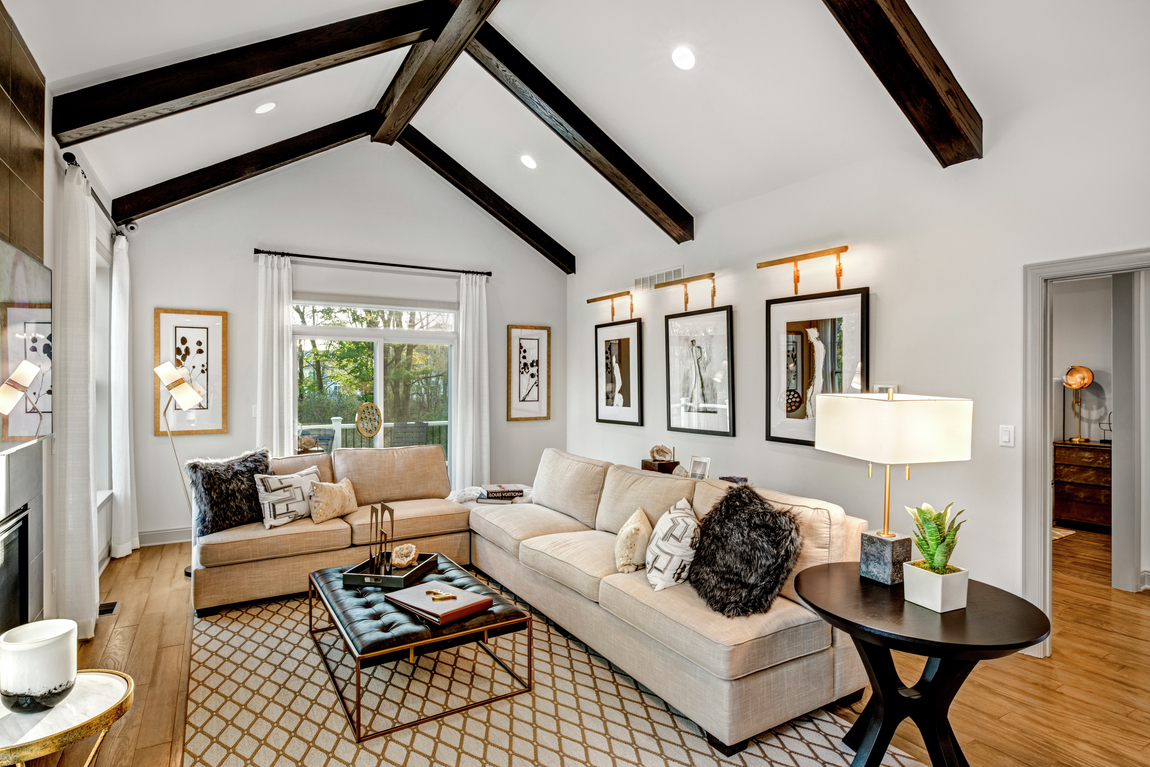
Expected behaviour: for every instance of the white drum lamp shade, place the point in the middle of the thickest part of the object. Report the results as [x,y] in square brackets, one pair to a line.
[13,389]
[186,394]
[907,429]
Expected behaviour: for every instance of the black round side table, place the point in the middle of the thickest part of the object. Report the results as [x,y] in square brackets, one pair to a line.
[994,624]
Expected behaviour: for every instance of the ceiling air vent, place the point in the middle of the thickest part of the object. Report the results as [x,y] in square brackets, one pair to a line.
[649,281]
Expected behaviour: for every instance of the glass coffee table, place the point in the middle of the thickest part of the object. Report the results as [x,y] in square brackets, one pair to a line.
[425,663]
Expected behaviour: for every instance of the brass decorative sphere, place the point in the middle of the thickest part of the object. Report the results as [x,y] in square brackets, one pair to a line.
[1078,377]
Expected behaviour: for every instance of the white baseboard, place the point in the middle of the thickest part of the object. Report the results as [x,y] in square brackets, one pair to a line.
[160,537]
[1144,581]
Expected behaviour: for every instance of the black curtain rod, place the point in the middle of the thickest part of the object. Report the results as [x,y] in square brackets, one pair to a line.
[368,263]
[70,158]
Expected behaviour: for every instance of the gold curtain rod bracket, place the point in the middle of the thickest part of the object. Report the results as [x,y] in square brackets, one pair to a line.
[836,252]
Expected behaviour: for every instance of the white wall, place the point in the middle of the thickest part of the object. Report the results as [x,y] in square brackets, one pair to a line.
[360,201]
[1083,329]
[1065,174]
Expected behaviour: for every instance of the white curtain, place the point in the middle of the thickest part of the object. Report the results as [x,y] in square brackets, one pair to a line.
[275,360]
[73,395]
[471,442]
[125,522]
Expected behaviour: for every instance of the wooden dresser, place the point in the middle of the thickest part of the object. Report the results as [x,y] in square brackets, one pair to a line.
[1082,485]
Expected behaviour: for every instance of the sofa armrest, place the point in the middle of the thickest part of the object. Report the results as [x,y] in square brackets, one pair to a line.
[853,528]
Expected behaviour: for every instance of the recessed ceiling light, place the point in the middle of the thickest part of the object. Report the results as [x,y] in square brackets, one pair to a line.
[263,109]
[683,57]
[528,160]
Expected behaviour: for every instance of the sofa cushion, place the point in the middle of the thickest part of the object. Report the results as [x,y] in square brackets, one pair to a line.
[728,648]
[626,489]
[252,543]
[225,490]
[285,497]
[570,484]
[413,519]
[509,525]
[823,525]
[294,464]
[577,560]
[391,474]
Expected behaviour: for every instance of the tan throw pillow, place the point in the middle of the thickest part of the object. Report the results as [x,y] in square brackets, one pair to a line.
[329,501]
[631,542]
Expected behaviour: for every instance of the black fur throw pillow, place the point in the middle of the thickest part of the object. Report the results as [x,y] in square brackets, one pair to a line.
[745,552]
[225,490]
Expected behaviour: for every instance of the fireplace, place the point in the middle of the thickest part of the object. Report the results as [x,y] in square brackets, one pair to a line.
[15,572]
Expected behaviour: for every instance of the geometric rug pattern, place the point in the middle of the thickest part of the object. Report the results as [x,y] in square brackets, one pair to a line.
[259,695]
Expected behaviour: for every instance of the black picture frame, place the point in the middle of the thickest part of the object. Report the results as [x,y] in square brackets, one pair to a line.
[600,366]
[725,315]
[863,297]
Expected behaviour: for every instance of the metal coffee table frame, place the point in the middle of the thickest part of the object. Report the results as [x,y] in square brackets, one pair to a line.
[481,638]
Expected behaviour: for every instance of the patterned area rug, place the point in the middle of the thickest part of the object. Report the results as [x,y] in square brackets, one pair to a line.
[259,695]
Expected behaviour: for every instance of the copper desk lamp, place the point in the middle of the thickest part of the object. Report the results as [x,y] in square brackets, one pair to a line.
[1078,377]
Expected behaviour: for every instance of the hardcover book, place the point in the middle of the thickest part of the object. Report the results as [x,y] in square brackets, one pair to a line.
[502,491]
[439,602]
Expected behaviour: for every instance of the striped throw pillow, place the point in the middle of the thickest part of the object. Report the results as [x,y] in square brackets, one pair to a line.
[672,546]
[285,497]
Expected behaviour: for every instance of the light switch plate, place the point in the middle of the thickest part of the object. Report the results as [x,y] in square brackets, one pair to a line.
[1006,436]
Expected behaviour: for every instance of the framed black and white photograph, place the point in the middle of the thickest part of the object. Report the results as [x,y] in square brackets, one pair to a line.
[700,467]
[619,372]
[198,342]
[816,344]
[701,372]
[528,373]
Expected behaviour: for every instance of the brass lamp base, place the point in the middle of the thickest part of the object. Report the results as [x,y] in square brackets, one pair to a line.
[1078,440]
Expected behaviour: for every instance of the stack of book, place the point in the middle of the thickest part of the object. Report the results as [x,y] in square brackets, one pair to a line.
[500,494]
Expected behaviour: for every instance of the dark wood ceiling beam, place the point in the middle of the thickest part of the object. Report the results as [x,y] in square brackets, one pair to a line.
[900,52]
[483,196]
[426,64]
[101,109]
[189,186]
[524,80]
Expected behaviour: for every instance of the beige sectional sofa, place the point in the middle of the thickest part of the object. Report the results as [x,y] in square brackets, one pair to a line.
[249,562]
[735,677]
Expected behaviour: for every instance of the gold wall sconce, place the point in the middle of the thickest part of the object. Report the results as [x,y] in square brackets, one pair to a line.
[836,252]
[687,281]
[612,298]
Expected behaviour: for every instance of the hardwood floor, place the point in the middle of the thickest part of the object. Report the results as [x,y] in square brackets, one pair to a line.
[1088,705]
[149,639]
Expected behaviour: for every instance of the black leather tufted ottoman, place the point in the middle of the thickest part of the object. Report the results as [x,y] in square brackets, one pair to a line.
[375,632]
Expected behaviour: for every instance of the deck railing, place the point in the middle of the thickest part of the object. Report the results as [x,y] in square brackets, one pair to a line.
[342,434]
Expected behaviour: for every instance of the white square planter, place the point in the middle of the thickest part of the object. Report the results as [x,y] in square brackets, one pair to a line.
[941,593]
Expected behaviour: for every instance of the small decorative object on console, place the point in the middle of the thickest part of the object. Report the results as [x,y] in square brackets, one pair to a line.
[700,467]
[932,581]
[662,453]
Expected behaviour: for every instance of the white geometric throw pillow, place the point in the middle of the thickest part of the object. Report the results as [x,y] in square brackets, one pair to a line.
[285,497]
[672,547]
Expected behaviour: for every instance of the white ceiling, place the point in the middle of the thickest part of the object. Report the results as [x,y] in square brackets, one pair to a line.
[779,93]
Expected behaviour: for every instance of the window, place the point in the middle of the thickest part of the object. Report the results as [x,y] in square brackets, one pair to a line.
[399,359]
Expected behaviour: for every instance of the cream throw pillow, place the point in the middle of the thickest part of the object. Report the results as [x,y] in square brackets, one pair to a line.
[672,547]
[329,501]
[631,542]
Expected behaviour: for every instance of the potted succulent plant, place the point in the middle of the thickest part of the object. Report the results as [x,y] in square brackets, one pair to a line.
[932,581]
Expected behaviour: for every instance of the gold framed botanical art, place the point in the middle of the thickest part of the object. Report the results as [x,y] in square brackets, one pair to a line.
[528,373]
[198,342]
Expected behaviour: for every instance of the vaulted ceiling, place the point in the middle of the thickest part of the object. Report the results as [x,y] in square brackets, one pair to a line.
[779,94]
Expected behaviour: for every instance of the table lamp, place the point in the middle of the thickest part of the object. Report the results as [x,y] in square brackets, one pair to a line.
[187,395]
[12,390]
[891,429]
[1078,377]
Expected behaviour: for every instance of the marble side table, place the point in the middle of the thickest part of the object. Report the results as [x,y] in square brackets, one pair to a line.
[97,701]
